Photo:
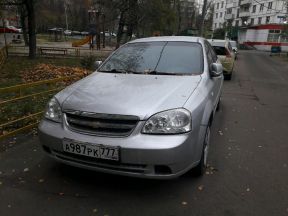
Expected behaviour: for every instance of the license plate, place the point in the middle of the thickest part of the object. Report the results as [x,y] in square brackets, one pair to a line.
[91,150]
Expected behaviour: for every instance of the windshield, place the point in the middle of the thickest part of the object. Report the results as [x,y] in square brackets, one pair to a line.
[157,58]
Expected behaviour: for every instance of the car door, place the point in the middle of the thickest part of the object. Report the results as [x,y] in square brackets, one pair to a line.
[215,82]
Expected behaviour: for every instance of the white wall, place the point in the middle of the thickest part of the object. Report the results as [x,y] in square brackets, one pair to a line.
[257,35]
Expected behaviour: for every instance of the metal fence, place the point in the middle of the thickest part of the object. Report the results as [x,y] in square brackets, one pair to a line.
[54,52]
[31,92]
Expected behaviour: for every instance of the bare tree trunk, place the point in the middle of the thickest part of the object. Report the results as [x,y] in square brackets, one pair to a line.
[179,18]
[31,28]
[204,11]
[103,29]
[120,29]
[23,25]
[98,36]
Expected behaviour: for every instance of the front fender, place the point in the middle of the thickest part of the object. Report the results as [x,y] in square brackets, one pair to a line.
[208,111]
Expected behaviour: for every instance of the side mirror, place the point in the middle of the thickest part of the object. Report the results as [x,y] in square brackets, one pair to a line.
[97,64]
[216,70]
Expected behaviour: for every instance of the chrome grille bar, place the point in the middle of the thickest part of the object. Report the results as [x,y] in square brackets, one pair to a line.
[101,124]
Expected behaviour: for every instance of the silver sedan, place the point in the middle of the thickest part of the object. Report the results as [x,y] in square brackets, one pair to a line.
[145,112]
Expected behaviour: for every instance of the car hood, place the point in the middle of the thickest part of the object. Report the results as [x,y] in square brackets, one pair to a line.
[128,94]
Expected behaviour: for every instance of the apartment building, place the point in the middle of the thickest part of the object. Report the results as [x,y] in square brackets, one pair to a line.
[259,23]
[219,14]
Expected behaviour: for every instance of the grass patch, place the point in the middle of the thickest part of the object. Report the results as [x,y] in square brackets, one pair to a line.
[10,72]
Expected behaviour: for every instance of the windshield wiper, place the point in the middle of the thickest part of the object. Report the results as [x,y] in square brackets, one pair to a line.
[154,72]
[116,71]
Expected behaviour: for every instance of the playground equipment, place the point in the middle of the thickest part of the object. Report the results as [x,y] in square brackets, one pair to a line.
[82,42]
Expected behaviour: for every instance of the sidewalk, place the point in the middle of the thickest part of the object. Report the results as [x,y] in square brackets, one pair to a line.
[9,38]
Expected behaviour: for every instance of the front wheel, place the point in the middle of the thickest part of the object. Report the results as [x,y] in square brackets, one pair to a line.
[218,104]
[228,76]
[199,170]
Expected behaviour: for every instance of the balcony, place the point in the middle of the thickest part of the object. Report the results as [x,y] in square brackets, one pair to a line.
[244,14]
[245,2]
[229,16]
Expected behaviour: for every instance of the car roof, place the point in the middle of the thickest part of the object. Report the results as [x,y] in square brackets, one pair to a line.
[217,42]
[170,38]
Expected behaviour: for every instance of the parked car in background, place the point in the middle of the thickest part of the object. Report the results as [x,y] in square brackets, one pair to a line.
[234,47]
[68,32]
[146,111]
[226,55]
[76,33]
[10,29]
[85,33]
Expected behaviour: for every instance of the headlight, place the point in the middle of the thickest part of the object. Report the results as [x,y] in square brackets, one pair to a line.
[169,122]
[53,111]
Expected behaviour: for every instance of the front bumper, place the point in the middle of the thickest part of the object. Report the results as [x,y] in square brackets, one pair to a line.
[146,156]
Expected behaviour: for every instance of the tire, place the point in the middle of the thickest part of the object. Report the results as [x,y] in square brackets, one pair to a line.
[199,170]
[228,76]
[218,104]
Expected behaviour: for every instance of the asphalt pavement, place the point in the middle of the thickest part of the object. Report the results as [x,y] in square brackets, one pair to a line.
[247,174]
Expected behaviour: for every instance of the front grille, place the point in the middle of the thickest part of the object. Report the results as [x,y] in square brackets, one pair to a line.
[101,124]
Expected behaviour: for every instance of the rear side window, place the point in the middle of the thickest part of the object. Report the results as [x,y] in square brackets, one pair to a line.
[219,50]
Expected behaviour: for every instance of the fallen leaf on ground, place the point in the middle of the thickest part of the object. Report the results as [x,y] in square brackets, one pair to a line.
[41,180]
[1,183]
[49,71]
[61,194]
[201,187]
[26,170]
[94,210]
[248,189]
[184,203]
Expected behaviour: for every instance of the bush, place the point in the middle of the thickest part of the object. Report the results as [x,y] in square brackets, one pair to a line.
[87,62]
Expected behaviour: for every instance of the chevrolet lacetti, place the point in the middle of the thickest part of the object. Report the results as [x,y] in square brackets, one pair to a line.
[145,112]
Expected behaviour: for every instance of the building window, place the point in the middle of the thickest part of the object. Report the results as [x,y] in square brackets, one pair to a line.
[222,4]
[216,15]
[262,7]
[237,23]
[267,19]
[221,14]
[252,21]
[220,25]
[270,5]
[217,5]
[215,25]
[238,11]
[229,11]
[254,8]
[259,20]
[274,35]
